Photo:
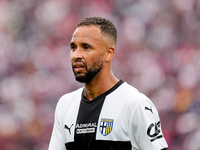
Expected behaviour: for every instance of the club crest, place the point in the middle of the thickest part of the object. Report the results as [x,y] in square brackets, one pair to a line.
[106,126]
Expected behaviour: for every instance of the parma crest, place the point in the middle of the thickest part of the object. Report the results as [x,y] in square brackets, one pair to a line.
[106,126]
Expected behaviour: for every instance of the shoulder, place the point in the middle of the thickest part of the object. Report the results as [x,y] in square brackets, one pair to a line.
[126,97]
[76,93]
[69,98]
[131,94]
[135,100]
[137,103]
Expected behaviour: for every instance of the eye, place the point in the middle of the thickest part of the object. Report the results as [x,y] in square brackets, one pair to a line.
[73,47]
[86,47]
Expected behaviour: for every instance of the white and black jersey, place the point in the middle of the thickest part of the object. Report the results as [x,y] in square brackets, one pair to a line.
[120,119]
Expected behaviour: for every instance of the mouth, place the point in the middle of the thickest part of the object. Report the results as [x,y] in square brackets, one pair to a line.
[78,67]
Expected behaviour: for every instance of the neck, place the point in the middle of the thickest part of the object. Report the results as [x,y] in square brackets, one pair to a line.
[99,86]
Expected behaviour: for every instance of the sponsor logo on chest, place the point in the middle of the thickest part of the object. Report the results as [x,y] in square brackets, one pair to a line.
[105,127]
[85,128]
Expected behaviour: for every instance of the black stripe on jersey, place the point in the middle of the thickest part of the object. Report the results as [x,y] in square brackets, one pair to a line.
[87,122]
[100,145]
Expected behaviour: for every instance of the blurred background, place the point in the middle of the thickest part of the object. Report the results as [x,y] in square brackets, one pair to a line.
[158,52]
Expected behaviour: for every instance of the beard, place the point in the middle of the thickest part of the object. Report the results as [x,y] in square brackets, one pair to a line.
[90,72]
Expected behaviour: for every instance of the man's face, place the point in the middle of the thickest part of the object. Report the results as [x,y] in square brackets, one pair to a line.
[87,53]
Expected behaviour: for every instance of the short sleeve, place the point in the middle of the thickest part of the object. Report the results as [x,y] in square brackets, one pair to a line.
[146,127]
[57,137]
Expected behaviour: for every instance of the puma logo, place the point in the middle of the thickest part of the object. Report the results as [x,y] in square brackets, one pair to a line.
[69,128]
[146,108]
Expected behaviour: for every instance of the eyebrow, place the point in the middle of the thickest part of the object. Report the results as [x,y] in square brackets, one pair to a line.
[86,44]
[72,44]
[82,44]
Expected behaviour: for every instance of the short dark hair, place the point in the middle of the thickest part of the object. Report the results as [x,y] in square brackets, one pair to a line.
[105,25]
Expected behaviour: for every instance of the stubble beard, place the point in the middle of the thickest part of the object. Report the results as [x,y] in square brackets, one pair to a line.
[90,72]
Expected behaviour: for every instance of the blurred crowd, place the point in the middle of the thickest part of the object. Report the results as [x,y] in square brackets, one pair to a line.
[158,52]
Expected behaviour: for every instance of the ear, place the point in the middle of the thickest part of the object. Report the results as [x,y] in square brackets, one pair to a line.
[109,53]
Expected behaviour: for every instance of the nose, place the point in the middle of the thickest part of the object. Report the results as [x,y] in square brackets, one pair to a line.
[76,54]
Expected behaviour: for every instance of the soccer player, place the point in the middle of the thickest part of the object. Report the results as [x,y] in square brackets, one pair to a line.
[107,113]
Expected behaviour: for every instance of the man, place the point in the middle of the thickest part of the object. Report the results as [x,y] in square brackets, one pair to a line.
[107,113]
